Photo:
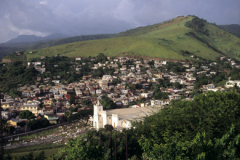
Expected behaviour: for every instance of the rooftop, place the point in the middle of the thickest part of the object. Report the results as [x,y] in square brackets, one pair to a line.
[134,113]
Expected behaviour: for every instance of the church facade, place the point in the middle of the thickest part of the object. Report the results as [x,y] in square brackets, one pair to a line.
[120,118]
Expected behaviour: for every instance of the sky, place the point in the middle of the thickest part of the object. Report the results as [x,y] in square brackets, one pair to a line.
[85,17]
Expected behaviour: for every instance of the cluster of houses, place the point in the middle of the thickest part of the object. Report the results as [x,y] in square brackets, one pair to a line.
[53,102]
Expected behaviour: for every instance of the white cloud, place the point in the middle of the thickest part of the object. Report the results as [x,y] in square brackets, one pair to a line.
[22,31]
[43,2]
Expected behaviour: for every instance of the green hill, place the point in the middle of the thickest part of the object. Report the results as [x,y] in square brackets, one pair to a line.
[178,38]
[9,48]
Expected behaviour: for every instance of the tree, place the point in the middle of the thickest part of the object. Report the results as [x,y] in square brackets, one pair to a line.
[116,81]
[107,103]
[197,129]
[88,103]
[201,80]
[41,156]
[15,93]
[108,127]
[101,58]
[26,114]
[54,100]
[164,83]
[158,94]
[132,87]
[38,123]
[72,98]
[8,157]
[151,63]
[98,72]
[81,115]
[175,67]
[97,145]
[206,128]
[177,85]
[1,96]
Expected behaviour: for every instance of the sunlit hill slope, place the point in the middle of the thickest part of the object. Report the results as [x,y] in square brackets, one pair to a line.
[178,38]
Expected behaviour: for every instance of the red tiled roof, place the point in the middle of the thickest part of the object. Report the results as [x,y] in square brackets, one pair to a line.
[67,96]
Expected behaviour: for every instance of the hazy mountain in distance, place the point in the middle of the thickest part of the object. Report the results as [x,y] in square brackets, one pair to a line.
[33,38]
[55,36]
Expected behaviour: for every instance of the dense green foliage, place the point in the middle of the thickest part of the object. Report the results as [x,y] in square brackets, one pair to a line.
[107,103]
[38,123]
[198,25]
[14,74]
[235,74]
[81,115]
[193,129]
[206,128]
[175,67]
[29,156]
[97,145]
[26,115]
[158,94]
[164,83]
[204,80]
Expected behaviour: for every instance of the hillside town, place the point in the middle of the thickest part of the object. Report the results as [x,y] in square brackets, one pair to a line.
[134,80]
[127,82]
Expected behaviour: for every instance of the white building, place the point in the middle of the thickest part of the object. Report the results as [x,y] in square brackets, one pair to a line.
[4,114]
[160,102]
[107,77]
[78,92]
[31,106]
[120,118]
[230,84]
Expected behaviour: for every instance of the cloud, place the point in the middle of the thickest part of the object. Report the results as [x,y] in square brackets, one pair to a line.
[43,2]
[125,11]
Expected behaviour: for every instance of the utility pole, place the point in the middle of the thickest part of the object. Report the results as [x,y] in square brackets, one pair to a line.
[126,146]
[1,131]
[111,145]
[100,137]
[116,146]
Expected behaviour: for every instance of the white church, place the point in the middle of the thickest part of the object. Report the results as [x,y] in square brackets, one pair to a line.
[120,118]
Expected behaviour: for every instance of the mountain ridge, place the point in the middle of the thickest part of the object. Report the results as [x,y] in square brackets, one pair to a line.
[180,38]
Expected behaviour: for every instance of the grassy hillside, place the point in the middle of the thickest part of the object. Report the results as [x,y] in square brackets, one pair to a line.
[9,48]
[175,39]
